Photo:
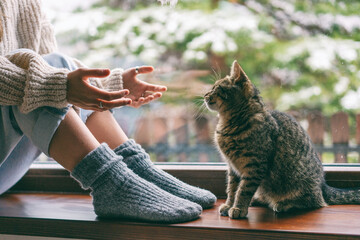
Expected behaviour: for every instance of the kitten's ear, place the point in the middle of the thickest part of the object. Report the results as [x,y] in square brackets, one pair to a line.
[240,78]
[237,73]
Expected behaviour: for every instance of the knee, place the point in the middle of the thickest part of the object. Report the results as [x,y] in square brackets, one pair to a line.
[36,119]
[59,60]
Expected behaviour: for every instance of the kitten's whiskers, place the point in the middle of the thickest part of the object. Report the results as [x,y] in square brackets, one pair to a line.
[200,108]
[217,72]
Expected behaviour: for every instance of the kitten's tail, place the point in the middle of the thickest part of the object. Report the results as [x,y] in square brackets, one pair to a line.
[337,196]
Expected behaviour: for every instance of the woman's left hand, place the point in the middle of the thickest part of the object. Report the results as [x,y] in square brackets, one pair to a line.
[141,92]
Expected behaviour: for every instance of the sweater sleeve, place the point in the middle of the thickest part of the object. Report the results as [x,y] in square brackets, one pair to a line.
[113,82]
[47,41]
[28,81]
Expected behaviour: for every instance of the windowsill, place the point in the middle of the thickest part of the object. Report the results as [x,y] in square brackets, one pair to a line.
[48,202]
[72,216]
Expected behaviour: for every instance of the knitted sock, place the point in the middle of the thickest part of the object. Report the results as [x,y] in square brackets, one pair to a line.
[119,192]
[139,161]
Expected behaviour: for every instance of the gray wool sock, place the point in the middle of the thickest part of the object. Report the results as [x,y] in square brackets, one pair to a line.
[139,161]
[119,192]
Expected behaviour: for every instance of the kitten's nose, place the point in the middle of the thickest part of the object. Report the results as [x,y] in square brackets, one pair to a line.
[207,98]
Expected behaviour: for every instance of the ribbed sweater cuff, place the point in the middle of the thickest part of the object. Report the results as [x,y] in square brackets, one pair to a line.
[114,81]
[44,85]
[46,88]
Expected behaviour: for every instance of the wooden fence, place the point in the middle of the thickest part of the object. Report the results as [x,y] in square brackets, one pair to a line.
[337,128]
[178,137]
[181,137]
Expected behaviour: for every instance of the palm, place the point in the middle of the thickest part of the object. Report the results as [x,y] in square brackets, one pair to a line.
[141,92]
[136,88]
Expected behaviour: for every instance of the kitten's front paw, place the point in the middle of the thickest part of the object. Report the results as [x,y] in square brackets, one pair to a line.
[224,209]
[236,213]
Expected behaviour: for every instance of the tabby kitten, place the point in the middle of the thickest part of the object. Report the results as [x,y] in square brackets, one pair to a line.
[271,159]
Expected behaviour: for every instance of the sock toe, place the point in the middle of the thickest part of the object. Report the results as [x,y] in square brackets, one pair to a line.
[208,199]
[139,161]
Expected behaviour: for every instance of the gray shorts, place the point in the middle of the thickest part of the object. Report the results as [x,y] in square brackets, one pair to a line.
[24,136]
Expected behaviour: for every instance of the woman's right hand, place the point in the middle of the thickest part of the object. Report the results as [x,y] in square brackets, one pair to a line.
[81,94]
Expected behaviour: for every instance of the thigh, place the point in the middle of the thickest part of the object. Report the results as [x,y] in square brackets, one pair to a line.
[59,60]
[40,125]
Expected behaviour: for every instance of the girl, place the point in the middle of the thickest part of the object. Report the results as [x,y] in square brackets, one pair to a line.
[51,103]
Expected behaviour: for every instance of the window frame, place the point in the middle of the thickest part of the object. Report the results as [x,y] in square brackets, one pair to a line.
[211,176]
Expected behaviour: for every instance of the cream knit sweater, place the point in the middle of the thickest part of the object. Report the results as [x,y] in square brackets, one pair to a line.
[25,78]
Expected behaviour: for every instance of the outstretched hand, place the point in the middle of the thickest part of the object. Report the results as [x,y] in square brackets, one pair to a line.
[81,94]
[141,92]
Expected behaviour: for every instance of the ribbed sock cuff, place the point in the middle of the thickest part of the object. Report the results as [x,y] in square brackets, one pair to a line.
[128,148]
[134,155]
[95,164]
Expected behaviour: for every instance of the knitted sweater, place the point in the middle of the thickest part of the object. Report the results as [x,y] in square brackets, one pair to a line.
[25,78]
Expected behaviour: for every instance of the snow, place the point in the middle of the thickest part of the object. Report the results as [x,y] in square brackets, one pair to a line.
[323,51]
[351,100]
[342,85]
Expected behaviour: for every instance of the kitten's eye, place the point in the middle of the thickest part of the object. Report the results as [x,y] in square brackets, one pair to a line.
[222,92]
[217,88]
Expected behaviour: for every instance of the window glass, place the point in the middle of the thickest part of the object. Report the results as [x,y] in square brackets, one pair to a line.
[302,54]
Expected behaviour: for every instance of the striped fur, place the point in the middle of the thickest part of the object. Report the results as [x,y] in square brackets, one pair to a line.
[271,158]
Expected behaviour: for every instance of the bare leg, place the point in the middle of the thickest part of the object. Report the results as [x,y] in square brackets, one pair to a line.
[72,141]
[106,129]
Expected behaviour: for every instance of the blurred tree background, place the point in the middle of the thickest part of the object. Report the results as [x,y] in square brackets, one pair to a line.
[302,54]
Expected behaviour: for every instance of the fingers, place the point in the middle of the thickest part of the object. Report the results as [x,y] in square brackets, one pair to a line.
[102,105]
[141,70]
[155,88]
[106,105]
[102,100]
[151,94]
[146,99]
[108,100]
[108,96]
